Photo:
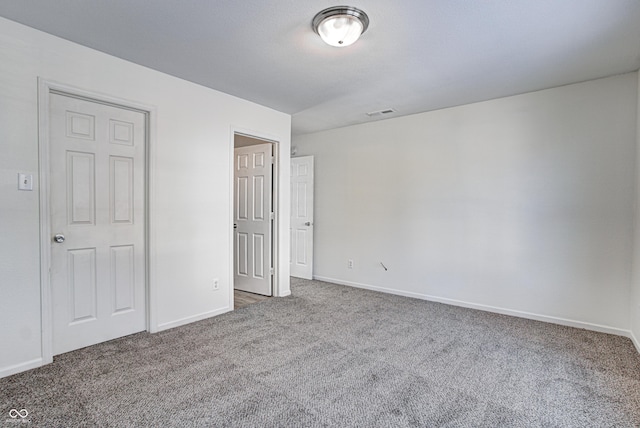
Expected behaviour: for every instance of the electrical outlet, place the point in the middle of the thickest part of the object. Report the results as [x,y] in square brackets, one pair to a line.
[349,264]
[25,181]
[216,284]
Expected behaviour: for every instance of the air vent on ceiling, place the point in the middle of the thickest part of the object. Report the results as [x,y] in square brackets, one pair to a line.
[381,112]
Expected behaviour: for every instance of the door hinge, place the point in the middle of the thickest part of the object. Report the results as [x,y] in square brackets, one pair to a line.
[271,271]
[273,160]
[272,216]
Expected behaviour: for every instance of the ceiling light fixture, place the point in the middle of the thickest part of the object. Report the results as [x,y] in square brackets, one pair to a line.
[340,26]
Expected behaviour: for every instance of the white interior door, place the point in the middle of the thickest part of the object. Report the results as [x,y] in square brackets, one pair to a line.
[97,213]
[253,217]
[301,262]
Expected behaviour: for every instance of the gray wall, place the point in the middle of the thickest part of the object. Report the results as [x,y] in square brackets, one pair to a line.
[521,205]
[191,207]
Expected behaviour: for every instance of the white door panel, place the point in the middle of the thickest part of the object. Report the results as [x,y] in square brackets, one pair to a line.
[252,218]
[301,262]
[97,204]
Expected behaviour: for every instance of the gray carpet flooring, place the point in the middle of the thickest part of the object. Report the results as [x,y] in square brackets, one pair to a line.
[336,356]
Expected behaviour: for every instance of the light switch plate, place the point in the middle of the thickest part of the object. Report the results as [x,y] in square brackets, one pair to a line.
[25,181]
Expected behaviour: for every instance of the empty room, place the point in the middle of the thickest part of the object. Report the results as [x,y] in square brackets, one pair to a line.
[260,214]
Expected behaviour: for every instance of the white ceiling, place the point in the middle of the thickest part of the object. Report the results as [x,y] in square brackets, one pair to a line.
[417,55]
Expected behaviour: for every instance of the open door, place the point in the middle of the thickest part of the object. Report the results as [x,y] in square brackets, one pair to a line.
[253,219]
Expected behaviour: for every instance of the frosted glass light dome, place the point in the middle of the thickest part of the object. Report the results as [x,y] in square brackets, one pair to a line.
[340,30]
[340,26]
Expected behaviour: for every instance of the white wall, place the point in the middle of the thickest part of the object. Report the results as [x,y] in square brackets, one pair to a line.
[192,181]
[521,205]
[635,284]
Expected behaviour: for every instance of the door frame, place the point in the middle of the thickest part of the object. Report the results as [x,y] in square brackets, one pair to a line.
[45,88]
[276,289]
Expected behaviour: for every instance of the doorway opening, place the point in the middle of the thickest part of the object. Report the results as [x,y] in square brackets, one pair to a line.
[255,195]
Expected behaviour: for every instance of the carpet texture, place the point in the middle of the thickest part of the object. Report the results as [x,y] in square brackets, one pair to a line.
[336,356]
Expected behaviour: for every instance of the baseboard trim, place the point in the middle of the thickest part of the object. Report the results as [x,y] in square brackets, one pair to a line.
[21,367]
[194,318]
[285,293]
[635,341]
[488,308]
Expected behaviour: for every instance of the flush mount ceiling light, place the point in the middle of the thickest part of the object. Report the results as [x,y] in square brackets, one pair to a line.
[340,26]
